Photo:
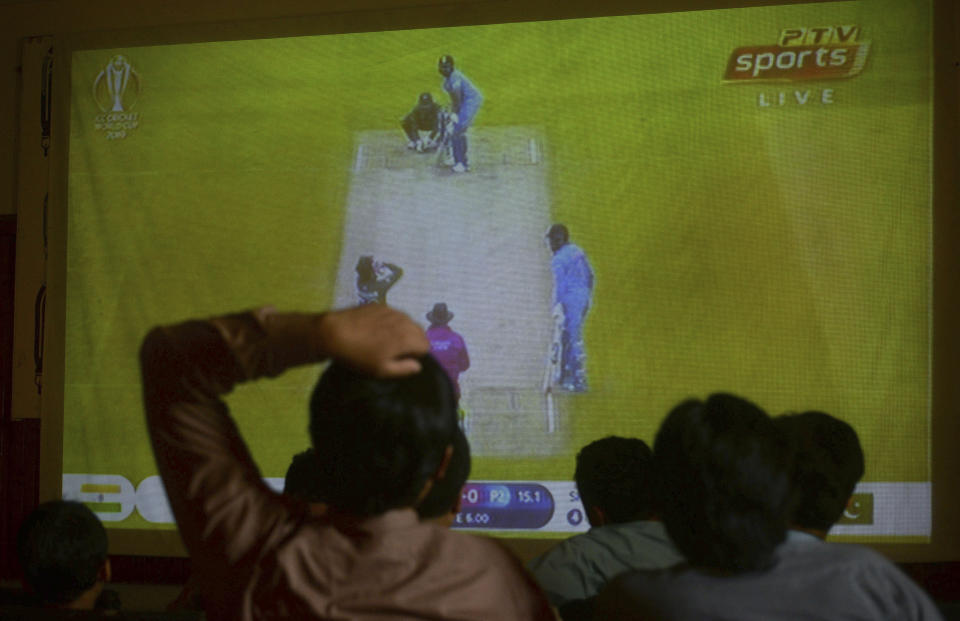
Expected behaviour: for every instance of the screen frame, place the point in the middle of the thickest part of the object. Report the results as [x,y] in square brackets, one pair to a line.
[945,539]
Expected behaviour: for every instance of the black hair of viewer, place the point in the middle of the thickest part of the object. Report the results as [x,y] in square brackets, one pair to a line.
[444,496]
[616,475]
[725,471]
[301,478]
[828,463]
[378,441]
[62,548]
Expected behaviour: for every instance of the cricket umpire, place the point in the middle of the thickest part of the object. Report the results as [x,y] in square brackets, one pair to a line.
[465,102]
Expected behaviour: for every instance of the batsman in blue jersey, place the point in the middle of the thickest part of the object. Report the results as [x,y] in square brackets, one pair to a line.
[572,292]
[465,102]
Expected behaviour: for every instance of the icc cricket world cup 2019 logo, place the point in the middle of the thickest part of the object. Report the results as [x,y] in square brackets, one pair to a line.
[116,90]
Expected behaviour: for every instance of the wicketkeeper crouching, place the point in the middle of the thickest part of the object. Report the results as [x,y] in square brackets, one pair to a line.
[426,117]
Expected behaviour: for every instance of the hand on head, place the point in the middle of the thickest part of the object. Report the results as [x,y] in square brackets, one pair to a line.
[374,339]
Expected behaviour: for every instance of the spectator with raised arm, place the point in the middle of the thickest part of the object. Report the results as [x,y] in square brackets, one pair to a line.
[382,422]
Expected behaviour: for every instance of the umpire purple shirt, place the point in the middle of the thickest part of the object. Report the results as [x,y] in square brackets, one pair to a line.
[450,351]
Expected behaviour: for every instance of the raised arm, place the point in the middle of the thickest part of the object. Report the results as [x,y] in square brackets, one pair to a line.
[393,273]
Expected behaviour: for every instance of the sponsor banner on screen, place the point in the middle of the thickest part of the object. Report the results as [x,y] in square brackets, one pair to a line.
[875,510]
[116,90]
[801,54]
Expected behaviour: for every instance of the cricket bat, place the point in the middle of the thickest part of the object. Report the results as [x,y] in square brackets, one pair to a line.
[443,151]
[554,365]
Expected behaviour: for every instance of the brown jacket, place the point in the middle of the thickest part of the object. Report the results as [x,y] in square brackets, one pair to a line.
[261,555]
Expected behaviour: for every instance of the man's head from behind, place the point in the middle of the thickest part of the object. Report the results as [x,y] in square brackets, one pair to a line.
[445,65]
[724,467]
[828,462]
[557,237]
[443,501]
[616,481]
[301,480]
[365,266]
[62,548]
[379,442]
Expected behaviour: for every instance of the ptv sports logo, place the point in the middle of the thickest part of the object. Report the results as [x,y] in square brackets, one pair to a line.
[819,53]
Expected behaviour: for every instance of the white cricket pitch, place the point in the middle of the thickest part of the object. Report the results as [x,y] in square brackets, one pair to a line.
[475,241]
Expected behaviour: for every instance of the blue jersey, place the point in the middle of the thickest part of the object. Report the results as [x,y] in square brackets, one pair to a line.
[463,94]
[572,276]
[573,287]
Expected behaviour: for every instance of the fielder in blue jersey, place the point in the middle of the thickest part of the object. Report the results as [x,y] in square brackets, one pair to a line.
[572,291]
[465,102]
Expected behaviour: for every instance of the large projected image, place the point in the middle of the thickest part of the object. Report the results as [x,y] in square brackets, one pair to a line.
[593,219]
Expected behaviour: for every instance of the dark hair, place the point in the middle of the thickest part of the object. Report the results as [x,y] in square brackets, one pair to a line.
[364,266]
[616,475]
[302,479]
[559,232]
[378,440]
[62,547]
[828,462]
[445,493]
[724,470]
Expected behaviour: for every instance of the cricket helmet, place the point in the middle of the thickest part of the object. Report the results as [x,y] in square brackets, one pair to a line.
[558,232]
